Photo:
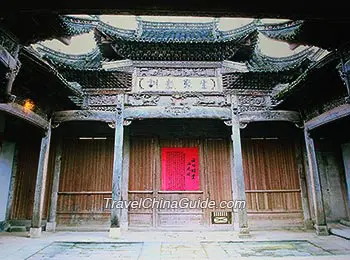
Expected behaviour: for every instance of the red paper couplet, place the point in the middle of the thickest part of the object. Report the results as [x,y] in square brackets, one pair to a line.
[180,169]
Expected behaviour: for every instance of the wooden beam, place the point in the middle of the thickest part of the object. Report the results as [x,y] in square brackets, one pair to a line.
[27,115]
[51,224]
[117,166]
[177,112]
[273,191]
[302,171]
[11,195]
[83,115]
[317,196]
[124,222]
[133,113]
[145,112]
[39,195]
[274,115]
[237,173]
[84,192]
[329,116]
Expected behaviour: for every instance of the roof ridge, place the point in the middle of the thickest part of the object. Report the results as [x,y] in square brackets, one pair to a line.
[73,57]
[259,61]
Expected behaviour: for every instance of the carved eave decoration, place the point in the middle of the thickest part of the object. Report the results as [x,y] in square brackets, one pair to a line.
[328,35]
[176,41]
[87,69]
[294,86]
[262,72]
[44,26]
[40,82]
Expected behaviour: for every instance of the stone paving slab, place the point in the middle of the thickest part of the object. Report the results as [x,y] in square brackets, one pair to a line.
[276,245]
[177,250]
[91,250]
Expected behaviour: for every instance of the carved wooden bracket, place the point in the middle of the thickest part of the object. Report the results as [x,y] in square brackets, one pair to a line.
[228,122]
[127,122]
[111,125]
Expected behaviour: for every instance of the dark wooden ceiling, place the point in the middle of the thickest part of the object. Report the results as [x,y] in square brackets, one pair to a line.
[296,9]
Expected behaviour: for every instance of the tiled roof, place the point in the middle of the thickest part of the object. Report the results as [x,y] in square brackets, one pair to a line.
[158,32]
[262,63]
[88,61]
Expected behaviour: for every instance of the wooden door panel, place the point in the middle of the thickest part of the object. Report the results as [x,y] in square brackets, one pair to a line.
[85,180]
[181,217]
[141,180]
[271,177]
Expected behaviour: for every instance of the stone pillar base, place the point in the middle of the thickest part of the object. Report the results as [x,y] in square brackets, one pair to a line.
[35,232]
[321,230]
[115,232]
[124,226]
[244,233]
[345,222]
[51,226]
[308,224]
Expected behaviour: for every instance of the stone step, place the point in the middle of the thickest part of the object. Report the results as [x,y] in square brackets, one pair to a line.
[17,229]
[340,231]
[345,222]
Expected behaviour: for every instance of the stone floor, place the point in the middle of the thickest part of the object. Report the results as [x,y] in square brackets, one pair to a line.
[277,244]
[340,230]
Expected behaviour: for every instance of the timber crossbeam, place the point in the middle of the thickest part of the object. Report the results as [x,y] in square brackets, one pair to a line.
[25,114]
[135,113]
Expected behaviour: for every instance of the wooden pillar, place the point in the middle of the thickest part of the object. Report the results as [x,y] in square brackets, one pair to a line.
[302,169]
[12,184]
[114,231]
[124,223]
[346,161]
[35,230]
[237,174]
[320,217]
[10,78]
[51,224]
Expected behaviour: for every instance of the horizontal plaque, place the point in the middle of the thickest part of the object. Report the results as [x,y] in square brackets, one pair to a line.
[178,84]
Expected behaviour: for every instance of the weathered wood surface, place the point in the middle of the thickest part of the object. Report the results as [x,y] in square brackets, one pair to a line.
[271,176]
[11,196]
[83,115]
[55,182]
[317,196]
[145,112]
[41,177]
[118,160]
[329,116]
[85,180]
[125,177]
[273,115]
[25,177]
[145,181]
[29,116]
[302,171]
[177,112]
[237,174]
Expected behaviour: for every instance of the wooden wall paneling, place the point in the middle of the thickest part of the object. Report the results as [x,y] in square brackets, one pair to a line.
[141,179]
[85,180]
[28,158]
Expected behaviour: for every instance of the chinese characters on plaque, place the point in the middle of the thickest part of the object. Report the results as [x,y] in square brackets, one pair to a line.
[180,169]
[177,84]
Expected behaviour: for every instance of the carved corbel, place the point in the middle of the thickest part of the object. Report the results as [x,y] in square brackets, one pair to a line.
[127,122]
[243,125]
[299,125]
[55,125]
[228,122]
[111,125]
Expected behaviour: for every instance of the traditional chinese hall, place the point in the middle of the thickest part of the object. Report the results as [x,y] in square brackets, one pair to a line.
[133,107]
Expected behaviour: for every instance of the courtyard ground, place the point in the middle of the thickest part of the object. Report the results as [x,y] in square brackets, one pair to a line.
[272,244]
